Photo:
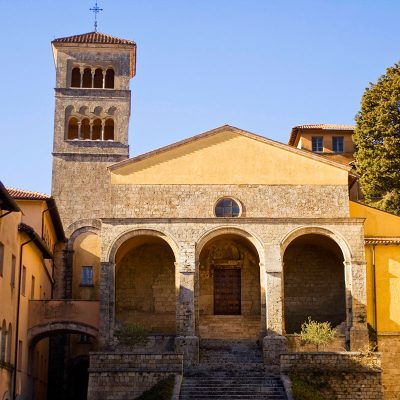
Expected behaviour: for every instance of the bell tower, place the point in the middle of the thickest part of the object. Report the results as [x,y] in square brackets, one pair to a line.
[92,110]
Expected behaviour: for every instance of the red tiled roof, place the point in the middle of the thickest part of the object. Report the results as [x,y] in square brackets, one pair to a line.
[382,240]
[332,127]
[93,37]
[27,194]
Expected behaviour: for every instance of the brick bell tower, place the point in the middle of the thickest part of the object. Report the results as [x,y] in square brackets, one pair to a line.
[92,110]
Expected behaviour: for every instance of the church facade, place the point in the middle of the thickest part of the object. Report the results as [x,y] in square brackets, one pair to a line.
[226,235]
[193,239]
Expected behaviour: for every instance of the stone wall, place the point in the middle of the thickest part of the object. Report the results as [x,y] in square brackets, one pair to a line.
[350,376]
[76,180]
[313,286]
[117,376]
[389,346]
[145,288]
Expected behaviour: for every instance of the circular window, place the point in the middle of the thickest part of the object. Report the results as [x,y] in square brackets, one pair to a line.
[227,207]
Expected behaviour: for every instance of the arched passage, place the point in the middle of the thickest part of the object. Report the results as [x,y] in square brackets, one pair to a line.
[228,299]
[146,284]
[314,281]
[64,343]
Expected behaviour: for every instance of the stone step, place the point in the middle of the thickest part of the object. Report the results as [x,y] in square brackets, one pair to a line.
[232,387]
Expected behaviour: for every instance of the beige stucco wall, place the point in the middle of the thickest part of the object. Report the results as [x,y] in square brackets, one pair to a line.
[86,249]
[229,157]
[32,260]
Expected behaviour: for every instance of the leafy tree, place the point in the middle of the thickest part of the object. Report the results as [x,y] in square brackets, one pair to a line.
[317,333]
[377,137]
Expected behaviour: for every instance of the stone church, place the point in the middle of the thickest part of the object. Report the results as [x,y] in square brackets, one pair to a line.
[226,235]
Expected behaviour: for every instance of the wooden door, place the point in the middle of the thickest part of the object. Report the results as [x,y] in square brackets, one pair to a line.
[227,291]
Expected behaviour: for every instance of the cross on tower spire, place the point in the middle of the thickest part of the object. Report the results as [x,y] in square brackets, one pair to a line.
[96,9]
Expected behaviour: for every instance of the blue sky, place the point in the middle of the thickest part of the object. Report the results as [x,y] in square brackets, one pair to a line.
[260,65]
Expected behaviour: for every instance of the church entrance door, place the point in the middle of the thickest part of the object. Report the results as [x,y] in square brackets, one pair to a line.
[227,291]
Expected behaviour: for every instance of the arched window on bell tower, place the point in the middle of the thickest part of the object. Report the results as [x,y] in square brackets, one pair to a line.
[85,129]
[109,129]
[96,129]
[76,77]
[73,130]
[98,78]
[110,77]
[87,78]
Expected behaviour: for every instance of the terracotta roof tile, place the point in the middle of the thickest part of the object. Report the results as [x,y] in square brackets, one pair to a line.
[93,37]
[334,127]
[27,194]
[341,127]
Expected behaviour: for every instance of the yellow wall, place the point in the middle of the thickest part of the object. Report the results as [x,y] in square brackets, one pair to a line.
[10,239]
[230,158]
[387,267]
[86,253]
[36,266]
[305,140]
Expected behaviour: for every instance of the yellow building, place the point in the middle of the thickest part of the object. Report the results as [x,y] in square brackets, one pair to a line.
[382,253]
[29,229]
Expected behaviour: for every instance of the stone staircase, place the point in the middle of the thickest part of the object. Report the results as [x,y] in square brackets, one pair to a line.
[231,370]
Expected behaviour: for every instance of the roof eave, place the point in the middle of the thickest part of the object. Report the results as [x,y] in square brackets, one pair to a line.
[36,239]
[6,201]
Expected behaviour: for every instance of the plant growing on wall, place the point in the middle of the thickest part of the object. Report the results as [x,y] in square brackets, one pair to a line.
[132,334]
[317,333]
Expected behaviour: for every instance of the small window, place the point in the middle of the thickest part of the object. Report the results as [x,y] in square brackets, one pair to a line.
[33,288]
[23,281]
[1,258]
[109,81]
[19,364]
[317,144]
[98,78]
[87,78]
[85,129]
[3,341]
[76,78]
[13,266]
[109,129]
[87,276]
[9,343]
[96,129]
[227,208]
[337,144]
[73,131]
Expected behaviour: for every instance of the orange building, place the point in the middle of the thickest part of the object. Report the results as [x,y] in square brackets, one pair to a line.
[29,229]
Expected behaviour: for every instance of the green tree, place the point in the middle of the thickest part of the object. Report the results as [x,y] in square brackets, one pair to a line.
[377,137]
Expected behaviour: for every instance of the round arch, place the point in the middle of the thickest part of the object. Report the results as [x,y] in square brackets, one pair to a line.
[316,230]
[38,332]
[230,294]
[230,230]
[123,237]
[81,226]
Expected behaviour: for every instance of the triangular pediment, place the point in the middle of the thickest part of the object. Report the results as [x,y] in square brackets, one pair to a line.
[229,155]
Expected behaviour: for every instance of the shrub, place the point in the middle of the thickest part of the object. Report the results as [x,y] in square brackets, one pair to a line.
[132,334]
[317,333]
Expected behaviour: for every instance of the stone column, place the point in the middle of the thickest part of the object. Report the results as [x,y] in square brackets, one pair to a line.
[186,342]
[358,312]
[274,343]
[107,303]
